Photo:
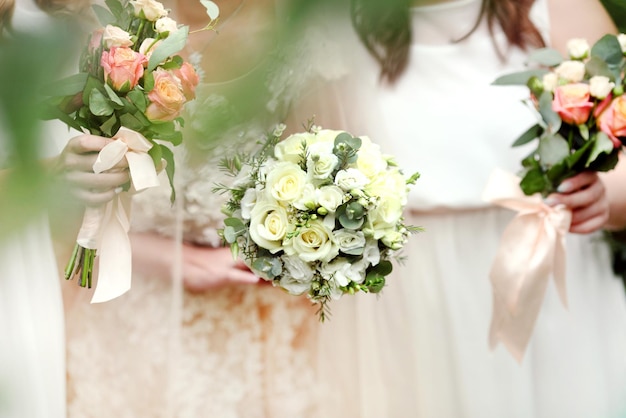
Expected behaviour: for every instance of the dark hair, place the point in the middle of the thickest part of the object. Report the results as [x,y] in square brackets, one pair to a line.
[385,29]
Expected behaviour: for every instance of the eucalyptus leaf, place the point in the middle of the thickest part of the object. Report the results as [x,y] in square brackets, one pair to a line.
[168,156]
[105,17]
[268,266]
[602,145]
[549,116]
[169,46]
[595,66]
[99,104]
[546,56]
[532,133]
[608,49]
[552,149]
[520,78]
[67,86]
[116,8]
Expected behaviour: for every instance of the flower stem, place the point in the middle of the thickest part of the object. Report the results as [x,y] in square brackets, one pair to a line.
[69,268]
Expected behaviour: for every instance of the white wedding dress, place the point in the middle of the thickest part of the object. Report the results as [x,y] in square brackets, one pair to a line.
[32,349]
[421,348]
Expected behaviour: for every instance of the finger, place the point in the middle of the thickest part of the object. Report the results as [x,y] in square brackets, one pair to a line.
[236,275]
[591,225]
[94,198]
[581,198]
[596,210]
[87,143]
[101,181]
[577,182]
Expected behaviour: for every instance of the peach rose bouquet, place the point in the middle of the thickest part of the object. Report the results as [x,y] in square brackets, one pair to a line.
[132,86]
[319,213]
[581,111]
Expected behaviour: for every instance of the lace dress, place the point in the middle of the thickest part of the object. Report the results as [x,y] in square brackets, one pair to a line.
[239,351]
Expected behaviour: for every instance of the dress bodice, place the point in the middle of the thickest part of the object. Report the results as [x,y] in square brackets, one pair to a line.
[449,143]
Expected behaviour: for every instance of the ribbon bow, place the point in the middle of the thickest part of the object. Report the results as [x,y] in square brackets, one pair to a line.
[532,249]
[106,228]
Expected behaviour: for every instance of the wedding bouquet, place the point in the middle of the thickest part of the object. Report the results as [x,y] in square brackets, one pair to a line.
[581,106]
[319,213]
[132,87]
[582,111]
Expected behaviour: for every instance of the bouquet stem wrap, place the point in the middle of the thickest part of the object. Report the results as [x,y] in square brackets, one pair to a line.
[106,228]
[531,250]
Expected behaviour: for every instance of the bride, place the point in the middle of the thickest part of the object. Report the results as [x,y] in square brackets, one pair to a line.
[198,335]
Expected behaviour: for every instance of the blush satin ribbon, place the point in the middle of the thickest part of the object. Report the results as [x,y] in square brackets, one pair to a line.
[105,228]
[532,249]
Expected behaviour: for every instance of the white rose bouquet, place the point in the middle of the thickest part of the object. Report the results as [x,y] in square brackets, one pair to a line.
[319,213]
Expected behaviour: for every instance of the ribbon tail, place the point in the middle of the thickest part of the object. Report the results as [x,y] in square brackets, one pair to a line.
[559,269]
[111,154]
[115,264]
[89,232]
[142,171]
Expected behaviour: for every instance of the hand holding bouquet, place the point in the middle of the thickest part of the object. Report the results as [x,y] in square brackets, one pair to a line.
[581,106]
[582,111]
[131,87]
[319,213]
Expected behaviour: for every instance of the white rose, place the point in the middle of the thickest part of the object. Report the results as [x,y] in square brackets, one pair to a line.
[369,160]
[393,239]
[351,178]
[371,254]
[321,165]
[286,182]
[115,36]
[573,71]
[166,24]
[247,203]
[578,48]
[388,184]
[292,148]
[308,200]
[152,10]
[148,46]
[327,135]
[621,38]
[297,275]
[550,81]
[313,242]
[329,197]
[350,242]
[384,216]
[600,86]
[268,225]
[342,272]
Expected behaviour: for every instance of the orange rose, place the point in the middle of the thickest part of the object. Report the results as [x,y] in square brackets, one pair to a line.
[613,120]
[167,98]
[573,103]
[123,68]
[188,78]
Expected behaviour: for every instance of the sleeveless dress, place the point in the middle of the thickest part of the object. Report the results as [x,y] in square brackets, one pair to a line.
[421,349]
[238,351]
[32,349]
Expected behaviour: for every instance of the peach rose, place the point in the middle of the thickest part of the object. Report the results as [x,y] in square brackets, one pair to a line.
[613,120]
[188,78]
[167,98]
[123,68]
[573,103]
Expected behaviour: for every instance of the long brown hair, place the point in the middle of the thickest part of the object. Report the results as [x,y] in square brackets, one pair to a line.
[385,29]
[6,11]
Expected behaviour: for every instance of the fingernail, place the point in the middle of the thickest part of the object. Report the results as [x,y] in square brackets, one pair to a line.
[550,201]
[564,187]
[118,190]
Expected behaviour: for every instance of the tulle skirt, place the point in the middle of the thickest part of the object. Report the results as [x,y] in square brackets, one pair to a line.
[421,348]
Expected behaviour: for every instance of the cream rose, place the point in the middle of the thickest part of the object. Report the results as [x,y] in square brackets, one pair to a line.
[351,178]
[165,24]
[388,184]
[600,86]
[291,148]
[321,165]
[573,71]
[113,36]
[382,217]
[370,160]
[349,241]
[285,182]
[329,197]
[578,48]
[268,225]
[149,9]
[313,242]
[393,239]
[550,81]
[327,135]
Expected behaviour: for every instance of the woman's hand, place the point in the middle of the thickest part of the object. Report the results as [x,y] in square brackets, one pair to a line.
[585,195]
[75,165]
[203,268]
